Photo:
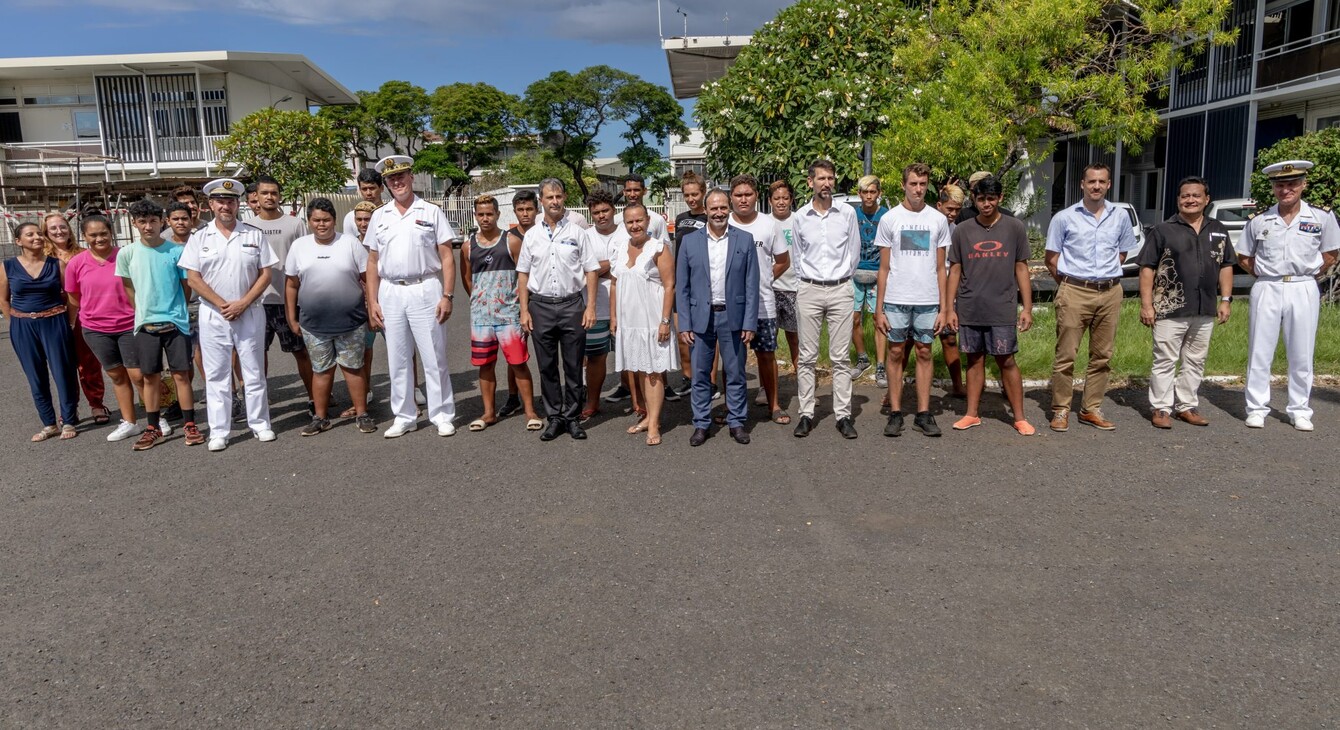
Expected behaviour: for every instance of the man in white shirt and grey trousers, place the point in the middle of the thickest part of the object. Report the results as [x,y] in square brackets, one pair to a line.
[827,249]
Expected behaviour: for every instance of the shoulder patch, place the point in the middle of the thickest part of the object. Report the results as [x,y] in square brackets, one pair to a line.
[1253,215]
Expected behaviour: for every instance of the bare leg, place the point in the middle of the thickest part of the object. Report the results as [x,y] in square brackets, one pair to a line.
[185,396]
[305,372]
[897,353]
[949,347]
[653,394]
[511,381]
[976,383]
[321,385]
[767,378]
[925,371]
[125,395]
[526,388]
[1012,381]
[793,349]
[151,393]
[858,333]
[595,380]
[488,389]
[358,389]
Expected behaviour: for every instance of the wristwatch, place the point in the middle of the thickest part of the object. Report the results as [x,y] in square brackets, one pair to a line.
[1226,300]
[450,297]
[665,320]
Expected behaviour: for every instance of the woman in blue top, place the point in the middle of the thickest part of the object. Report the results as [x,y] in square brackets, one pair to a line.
[32,296]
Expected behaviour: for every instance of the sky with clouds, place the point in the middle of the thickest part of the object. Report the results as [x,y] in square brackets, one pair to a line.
[508,43]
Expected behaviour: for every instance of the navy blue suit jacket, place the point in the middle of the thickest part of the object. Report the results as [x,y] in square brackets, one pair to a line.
[693,283]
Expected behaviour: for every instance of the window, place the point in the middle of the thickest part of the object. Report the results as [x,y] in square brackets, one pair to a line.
[1151,190]
[86,125]
[10,131]
[1287,25]
[1327,122]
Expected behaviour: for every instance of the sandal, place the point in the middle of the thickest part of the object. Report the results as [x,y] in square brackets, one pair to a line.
[966,422]
[349,412]
[639,427]
[101,415]
[780,416]
[480,424]
[534,424]
[47,432]
[68,432]
[653,440]
[587,414]
[1024,428]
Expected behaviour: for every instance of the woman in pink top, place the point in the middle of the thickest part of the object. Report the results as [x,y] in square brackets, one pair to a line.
[62,245]
[106,316]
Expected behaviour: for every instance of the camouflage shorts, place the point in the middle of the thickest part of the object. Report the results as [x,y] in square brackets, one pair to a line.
[345,350]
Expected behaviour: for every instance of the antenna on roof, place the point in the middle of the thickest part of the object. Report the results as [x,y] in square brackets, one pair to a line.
[727,22]
[686,20]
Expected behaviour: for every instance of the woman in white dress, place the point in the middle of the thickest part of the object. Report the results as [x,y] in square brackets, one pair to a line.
[641,298]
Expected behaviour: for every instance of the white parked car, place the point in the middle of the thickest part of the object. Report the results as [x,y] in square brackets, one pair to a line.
[1233,213]
[1131,268]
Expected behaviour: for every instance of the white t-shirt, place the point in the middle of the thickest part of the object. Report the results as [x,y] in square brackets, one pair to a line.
[280,233]
[912,240]
[768,243]
[787,281]
[330,292]
[606,248]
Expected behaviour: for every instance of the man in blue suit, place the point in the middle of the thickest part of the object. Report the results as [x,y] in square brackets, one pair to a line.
[716,295]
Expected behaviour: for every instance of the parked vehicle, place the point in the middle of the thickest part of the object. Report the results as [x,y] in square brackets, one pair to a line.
[1131,267]
[1233,213]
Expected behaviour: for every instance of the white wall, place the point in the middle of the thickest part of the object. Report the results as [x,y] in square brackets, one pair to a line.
[246,95]
[47,123]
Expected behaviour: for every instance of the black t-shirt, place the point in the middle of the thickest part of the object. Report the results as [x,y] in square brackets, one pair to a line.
[1186,266]
[988,290]
[686,223]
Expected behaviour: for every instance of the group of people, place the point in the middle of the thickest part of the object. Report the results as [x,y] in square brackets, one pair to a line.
[214,295]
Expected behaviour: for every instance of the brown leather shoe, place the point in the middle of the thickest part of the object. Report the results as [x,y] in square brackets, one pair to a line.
[1193,417]
[1095,418]
[1161,419]
[1060,421]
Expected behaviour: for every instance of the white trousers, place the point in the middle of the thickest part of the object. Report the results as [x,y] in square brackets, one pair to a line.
[219,339]
[410,313]
[1296,306]
[815,305]
[1184,339]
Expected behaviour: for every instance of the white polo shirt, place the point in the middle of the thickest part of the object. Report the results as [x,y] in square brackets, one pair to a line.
[556,259]
[406,243]
[828,245]
[228,264]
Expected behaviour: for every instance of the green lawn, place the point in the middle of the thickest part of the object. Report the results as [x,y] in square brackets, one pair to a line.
[1228,349]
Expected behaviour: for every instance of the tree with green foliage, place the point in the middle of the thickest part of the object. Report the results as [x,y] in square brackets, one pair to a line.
[570,110]
[393,117]
[532,166]
[1002,78]
[1323,181]
[300,150]
[477,122]
[359,136]
[961,84]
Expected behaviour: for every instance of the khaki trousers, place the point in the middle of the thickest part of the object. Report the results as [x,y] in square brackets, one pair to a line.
[816,304]
[1185,339]
[1080,310]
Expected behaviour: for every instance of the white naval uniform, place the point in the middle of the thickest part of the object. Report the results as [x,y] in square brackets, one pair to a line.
[230,266]
[410,268]
[1287,260]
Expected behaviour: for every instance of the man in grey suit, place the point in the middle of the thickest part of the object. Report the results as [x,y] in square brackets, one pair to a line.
[716,295]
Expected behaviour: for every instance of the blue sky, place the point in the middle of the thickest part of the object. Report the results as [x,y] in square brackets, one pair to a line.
[508,43]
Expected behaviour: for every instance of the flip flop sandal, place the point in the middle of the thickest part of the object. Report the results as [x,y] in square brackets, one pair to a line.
[639,427]
[588,415]
[101,415]
[68,432]
[653,440]
[47,432]
[780,416]
[534,424]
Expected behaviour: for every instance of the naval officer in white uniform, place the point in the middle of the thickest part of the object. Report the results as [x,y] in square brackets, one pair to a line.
[1287,248]
[411,277]
[228,266]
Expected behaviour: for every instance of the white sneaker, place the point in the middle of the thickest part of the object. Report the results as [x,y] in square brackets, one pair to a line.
[265,435]
[1302,423]
[124,431]
[419,398]
[165,427]
[444,428]
[1256,420]
[399,429]
[218,444]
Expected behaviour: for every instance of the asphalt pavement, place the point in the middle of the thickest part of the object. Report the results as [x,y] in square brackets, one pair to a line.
[1139,578]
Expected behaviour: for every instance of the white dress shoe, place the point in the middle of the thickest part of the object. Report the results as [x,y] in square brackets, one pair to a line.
[1302,423]
[399,429]
[218,444]
[444,428]
[265,435]
[1256,420]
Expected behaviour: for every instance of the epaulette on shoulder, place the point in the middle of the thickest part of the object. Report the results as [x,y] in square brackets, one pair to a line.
[1253,215]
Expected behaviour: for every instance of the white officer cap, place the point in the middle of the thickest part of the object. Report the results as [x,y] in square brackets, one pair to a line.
[393,164]
[1287,170]
[224,187]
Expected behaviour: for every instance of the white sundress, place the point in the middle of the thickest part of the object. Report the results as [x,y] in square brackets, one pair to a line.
[639,298]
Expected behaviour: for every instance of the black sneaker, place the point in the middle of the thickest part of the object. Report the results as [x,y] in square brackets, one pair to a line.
[172,412]
[366,424]
[895,425]
[510,406]
[685,388]
[670,393]
[925,423]
[620,394]
[239,409]
[316,426]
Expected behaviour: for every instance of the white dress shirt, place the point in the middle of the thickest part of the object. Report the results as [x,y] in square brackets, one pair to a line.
[406,243]
[556,258]
[228,264]
[828,245]
[717,248]
[1290,249]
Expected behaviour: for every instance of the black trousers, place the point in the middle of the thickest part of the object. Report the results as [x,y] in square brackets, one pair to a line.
[558,331]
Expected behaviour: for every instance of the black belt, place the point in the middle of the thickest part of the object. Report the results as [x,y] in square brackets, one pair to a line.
[554,300]
[826,282]
[718,307]
[1094,284]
